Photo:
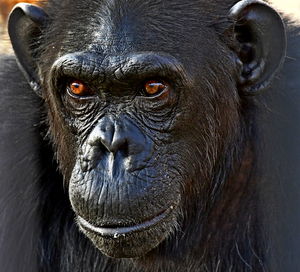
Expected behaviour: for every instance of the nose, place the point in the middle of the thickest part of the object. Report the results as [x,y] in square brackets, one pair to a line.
[121,137]
[113,136]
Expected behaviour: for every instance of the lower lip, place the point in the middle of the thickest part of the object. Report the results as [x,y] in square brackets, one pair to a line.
[122,231]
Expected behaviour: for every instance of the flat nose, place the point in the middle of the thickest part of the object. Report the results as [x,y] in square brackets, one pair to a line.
[112,135]
[118,136]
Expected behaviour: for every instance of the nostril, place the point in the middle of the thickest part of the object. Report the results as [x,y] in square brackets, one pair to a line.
[124,150]
[102,148]
[113,136]
[119,144]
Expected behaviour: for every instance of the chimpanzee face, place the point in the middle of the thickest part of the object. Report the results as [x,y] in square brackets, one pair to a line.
[144,112]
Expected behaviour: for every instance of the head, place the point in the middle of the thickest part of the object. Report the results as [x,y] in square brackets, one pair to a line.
[145,105]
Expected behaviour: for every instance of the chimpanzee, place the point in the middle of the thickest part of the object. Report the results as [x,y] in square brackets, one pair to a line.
[139,148]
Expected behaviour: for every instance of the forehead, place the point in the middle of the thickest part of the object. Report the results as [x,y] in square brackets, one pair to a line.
[115,26]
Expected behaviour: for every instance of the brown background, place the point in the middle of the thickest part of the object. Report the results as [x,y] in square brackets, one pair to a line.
[291,7]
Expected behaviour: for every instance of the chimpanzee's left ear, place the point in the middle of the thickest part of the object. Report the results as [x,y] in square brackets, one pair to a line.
[259,33]
[24,28]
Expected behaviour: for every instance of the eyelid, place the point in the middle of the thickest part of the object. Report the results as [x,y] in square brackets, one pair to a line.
[161,93]
[76,84]
[84,67]
[88,95]
[79,97]
[155,83]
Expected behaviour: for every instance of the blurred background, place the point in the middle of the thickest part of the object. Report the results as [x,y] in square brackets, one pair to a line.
[5,7]
[289,6]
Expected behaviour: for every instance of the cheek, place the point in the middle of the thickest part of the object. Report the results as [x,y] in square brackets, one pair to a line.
[64,143]
[205,126]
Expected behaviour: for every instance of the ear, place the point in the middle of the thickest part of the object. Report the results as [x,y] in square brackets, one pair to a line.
[260,36]
[25,27]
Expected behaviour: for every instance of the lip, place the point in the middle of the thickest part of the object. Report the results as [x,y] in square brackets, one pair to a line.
[116,232]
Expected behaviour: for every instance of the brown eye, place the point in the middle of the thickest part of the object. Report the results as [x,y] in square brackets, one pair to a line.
[153,87]
[80,89]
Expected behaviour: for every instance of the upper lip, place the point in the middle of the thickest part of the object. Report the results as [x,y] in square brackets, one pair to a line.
[123,230]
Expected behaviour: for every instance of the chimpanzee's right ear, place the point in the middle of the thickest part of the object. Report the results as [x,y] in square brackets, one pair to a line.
[25,26]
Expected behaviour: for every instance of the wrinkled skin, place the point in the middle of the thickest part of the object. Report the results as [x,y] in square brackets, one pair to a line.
[128,155]
[168,179]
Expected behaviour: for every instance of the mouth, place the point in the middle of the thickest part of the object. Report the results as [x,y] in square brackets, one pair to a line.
[115,232]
